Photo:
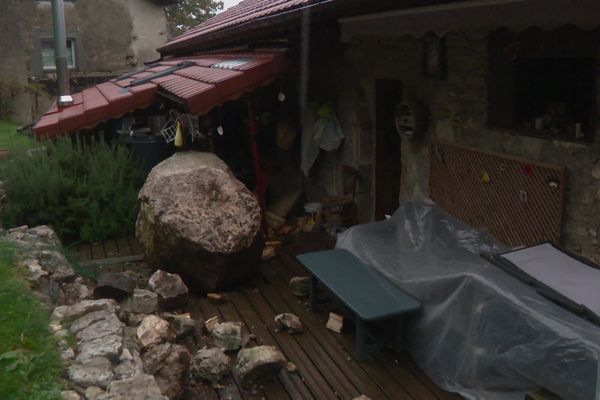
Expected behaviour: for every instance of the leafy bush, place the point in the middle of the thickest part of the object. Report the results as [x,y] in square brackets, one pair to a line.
[86,191]
[30,365]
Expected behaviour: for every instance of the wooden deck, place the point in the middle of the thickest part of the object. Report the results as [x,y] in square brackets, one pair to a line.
[326,365]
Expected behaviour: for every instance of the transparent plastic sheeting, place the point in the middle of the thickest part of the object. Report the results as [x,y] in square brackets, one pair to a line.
[482,332]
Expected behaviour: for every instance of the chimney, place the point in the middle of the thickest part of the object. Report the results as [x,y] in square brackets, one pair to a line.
[60,53]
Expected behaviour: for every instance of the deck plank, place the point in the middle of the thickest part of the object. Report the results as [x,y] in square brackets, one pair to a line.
[293,383]
[294,352]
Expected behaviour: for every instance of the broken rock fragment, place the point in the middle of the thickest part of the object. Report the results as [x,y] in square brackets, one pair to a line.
[96,371]
[196,219]
[227,335]
[299,286]
[69,313]
[112,285]
[258,364]
[182,324]
[172,292]
[289,322]
[139,387]
[154,330]
[172,374]
[209,364]
[141,302]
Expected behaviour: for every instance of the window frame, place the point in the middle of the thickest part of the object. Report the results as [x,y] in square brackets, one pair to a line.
[71,56]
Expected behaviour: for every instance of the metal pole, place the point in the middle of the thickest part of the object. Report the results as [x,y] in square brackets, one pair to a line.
[60,53]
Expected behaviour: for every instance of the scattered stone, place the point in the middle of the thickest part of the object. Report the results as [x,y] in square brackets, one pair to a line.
[35,270]
[130,339]
[108,346]
[154,357]
[291,367]
[109,325]
[154,330]
[289,322]
[216,298]
[172,292]
[92,392]
[141,302]
[75,292]
[173,372]
[96,371]
[57,265]
[362,397]
[132,319]
[299,286]
[257,364]
[268,253]
[111,285]
[199,220]
[182,324]
[227,335]
[70,395]
[209,364]
[130,364]
[210,323]
[69,313]
[139,387]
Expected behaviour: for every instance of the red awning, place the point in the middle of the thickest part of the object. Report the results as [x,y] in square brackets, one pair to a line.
[199,83]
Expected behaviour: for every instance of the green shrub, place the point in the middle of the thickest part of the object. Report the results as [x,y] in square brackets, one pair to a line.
[85,191]
[30,365]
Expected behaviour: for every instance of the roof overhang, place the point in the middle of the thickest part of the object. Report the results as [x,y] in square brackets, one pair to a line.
[198,83]
[473,15]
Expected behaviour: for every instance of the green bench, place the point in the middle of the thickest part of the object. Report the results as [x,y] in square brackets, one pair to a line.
[368,295]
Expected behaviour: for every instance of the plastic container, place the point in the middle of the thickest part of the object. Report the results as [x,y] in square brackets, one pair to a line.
[149,150]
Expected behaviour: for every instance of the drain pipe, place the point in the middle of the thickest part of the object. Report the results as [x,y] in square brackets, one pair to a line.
[60,53]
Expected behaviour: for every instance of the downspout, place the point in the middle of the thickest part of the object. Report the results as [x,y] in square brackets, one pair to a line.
[60,53]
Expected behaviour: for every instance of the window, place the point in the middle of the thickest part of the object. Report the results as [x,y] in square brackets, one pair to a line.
[48,62]
[544,83]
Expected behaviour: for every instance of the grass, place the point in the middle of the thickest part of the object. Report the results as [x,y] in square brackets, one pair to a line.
[10,138]
[30,365]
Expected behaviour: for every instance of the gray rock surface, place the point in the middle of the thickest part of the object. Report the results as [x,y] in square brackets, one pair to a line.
[130,364]
[198,220]
[227,335]
[140,387]
[289,322]
[258,364]
[173,372]
[66,313]
[182,324]
[141,302]
[154,330]
[110,325]
[153,358]
[70,395]
[96,371]
[109,346]
[209,364]
[172,292]
[92,392]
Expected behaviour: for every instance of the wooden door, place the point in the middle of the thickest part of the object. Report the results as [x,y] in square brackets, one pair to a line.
[387,147]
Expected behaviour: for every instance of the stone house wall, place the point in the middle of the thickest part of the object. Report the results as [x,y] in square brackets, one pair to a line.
[111,36]
[458,107]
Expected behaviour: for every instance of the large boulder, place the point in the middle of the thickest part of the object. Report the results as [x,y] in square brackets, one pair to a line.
[197,220]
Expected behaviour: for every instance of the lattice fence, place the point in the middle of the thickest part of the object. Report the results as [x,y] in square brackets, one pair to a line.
[518,201]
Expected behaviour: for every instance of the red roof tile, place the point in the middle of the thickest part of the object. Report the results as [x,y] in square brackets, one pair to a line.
[199,83]
[247,11]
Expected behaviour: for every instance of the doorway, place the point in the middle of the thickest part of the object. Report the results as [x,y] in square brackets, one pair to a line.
[388,93]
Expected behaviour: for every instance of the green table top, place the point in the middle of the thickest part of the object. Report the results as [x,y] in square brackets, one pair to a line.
[367,293]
